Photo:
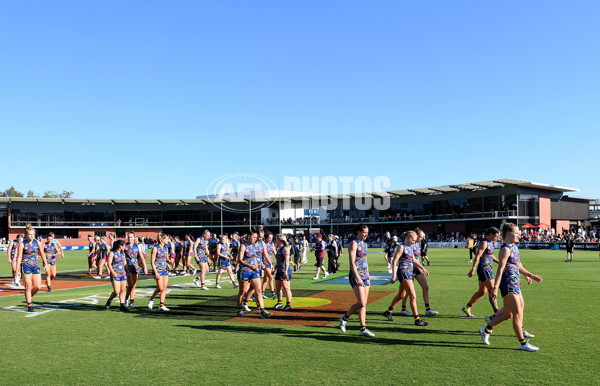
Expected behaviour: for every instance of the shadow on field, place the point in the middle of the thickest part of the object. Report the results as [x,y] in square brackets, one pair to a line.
[337,336]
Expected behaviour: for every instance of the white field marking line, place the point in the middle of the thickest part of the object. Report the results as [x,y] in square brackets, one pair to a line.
[64,305]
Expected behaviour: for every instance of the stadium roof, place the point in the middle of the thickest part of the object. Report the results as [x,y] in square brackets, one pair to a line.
[264,196]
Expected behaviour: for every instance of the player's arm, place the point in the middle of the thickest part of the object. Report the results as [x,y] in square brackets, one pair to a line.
[502,259]
[60,248]
[111,256]
[142,260]
[352,258]
[286,253]
[43,255]
[399,252]
[480,250]
[153,261]
[417,264]
[19,254]
[10,243]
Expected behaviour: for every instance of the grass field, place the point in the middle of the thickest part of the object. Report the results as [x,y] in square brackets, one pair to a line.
[78,342]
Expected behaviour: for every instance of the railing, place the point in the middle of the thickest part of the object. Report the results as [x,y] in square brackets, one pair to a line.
[432,217]
[126,224]
[268,222]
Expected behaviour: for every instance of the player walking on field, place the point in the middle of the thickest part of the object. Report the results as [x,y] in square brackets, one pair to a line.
[91,254]
[160,258]
[224,263]
[13,253]
[268,266]
[249,274]
[117,265]
[201,252]
[483,264]
[404,273]
[359,280]
[52,249]
[510,270]
[283,273]
[421,279]
[133,255]
[27,259]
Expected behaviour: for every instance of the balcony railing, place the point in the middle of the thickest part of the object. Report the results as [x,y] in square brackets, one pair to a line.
[142,223]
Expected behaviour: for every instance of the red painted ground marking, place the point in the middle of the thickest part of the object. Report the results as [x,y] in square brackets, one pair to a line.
[320,316]
[56,285]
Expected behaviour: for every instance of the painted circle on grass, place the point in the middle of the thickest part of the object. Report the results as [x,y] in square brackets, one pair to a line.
[298,302]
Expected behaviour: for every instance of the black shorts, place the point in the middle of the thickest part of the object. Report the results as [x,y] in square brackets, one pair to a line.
[319,262]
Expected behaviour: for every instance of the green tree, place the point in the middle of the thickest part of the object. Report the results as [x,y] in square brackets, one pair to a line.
[12,192]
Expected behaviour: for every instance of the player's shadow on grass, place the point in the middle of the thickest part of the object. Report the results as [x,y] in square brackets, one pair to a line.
[335,336]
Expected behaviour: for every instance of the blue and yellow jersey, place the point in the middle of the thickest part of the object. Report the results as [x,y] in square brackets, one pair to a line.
[360,262]
[416,247]
[13,249]
[250,256]
[118,262]
[160,261]
[487,259]
[224,250]
[50,250]
[30,252]
[131,254]
[260,247]
[201,247]
[271,250]
[406,259]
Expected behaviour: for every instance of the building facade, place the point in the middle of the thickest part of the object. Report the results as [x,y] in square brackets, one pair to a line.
[462,208]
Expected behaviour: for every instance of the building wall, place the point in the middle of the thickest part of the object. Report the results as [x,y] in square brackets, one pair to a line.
[558,225]
[545,209]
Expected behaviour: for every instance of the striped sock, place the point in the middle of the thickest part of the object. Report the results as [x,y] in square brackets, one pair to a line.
[390,309]
[362,328]
[288,303]
[488,329]
[29,304]
[404,307]
[522,341]
[416,316]
[427,308]
[345,317]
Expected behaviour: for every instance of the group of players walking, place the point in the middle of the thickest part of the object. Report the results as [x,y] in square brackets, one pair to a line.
[407,254]
[260,255]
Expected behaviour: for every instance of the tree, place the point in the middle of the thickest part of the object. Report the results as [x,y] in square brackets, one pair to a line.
[12,192]
[31,194]
[53,194]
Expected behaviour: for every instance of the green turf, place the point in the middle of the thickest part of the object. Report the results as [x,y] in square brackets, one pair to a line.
[193,344]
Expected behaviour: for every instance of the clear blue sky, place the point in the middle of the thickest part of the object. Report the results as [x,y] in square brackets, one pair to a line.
[155,99]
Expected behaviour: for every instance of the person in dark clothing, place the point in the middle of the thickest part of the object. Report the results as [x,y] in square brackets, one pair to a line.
[331,255]
[424,251]
[570,248]
[340,251]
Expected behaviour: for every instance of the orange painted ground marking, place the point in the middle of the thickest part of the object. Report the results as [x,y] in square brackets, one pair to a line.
[320,316]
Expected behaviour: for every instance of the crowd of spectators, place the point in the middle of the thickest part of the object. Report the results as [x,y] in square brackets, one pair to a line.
[577,234]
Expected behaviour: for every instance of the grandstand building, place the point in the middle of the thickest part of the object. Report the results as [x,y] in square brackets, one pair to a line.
[462,208]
